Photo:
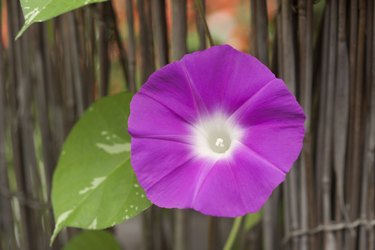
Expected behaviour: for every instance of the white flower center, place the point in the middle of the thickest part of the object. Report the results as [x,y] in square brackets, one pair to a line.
[215,136]
[219,141]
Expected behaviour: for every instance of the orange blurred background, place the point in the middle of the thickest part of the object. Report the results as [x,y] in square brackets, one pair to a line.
[228,21]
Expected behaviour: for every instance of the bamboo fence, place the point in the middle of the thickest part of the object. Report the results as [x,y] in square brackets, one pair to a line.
[324,51]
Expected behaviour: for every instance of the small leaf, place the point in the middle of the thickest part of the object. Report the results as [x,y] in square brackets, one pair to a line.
[251,220]
[93,240]
[94,185]
[42,10]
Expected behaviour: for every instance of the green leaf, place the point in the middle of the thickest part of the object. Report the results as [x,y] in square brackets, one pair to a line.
[252,219]
[42,10]
[94,185]
[93,240]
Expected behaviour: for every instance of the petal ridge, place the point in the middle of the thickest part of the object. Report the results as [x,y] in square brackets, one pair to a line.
[251,98]
[193,91]
[166,107]
[169,173]
[262,158]
[238,185]
[174,138]
[201,181]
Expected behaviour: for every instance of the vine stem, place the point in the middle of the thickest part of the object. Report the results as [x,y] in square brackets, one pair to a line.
[199,7]
[233,233]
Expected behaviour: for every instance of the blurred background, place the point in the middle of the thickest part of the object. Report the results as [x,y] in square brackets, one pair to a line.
[324,51]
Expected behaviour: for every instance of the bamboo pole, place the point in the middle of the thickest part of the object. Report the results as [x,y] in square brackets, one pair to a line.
[7,238]
[129,7]
[356,126]
[259,42]
[122,51]
[329,241]
[341,119]
[179,48]
[370,158]
[369,135]
[289,76]
[179,29]
[146,40]
[104,61]
[200,24]
[159,25]
[305,49]
[146,68]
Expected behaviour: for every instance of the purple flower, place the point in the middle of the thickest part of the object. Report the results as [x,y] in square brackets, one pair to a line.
[215,131]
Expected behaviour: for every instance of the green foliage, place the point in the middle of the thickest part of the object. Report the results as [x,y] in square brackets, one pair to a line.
[93,240]
[251,220]
[42,10]
[94,185]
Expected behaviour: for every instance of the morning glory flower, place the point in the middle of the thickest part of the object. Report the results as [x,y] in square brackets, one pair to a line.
[216,132]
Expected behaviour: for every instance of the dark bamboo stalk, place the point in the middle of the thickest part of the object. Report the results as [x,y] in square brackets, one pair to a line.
[42,105]
[305,49]
[356,135]
[122,52]
[21,132]
[200,8]
[44,127]
[146,34]
[131,43]
[253,30]
[160,40]
[33,180]
[370,158]
[321,116]
[7,239]
[67,98]
[76,65]
[329,241]
[341,118]
[146,68]
[147,236]
[201,30]
[159,22]
[212,234]
[353,44]
[90,53]
[179,28]
[289,76]
[287,41]
[14,128]
[105,63]
[353,34]
[157,229]
[179,48]
[259,27]
[369,138]
[56,92]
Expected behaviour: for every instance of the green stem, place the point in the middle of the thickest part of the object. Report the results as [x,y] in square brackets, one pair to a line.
[233,233]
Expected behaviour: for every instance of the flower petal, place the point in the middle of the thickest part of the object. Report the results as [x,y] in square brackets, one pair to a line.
[171,87]
[147,114]
[256,177]
[168,171]
[274,124]
[157,158]
[225,78]
[178,188]
[218,193]
[238,185]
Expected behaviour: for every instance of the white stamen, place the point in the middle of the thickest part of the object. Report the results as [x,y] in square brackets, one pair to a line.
[216,136]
